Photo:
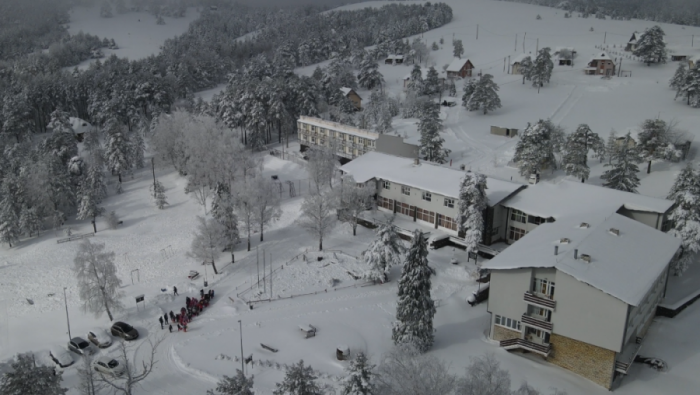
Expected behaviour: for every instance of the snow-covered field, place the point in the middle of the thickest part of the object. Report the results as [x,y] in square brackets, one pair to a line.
[154,242]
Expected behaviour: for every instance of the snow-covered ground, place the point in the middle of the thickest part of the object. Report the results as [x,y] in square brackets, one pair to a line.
[154,242]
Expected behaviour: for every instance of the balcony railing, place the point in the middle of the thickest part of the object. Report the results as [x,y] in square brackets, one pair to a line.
[536,323]
[540,301]
[622,367]
[542,349]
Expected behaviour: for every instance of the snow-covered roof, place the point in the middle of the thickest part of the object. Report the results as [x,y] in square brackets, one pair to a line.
[635,37]
[519,58]
[624,266]
[457,64]
[80,126]
[394,56]
[339,127]
[568,198]
[601,56]
[425,176]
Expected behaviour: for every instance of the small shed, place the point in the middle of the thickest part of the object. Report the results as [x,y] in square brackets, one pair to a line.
[394,59]
[308,330]
[515,63]
[507,132]
[601,64]
[353,96]
[632,43]
[342,352]
[460,68]
[565,55]
[679,57]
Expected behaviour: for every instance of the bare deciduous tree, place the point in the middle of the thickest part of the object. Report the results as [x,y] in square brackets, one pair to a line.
[267,203]
[318,214]
[90,383]
[208,241]
[405,371]
[485,376]
[98,283]
[354,199]
[321,167]
[133,373]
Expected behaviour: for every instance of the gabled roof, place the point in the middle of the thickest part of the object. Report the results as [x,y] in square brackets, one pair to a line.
[602,56]
[568,198]
[346,91]
[624,266]
[424,176]
[634,38]
[457,64]
[519,58]
[394,57]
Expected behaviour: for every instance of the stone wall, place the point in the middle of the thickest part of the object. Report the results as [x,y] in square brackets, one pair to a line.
[594,363]
[502,333]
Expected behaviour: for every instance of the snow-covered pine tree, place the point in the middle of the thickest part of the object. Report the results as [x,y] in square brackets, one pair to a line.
[299,380]
[415,82]
[158,193]
[654,142]
[685,216]
[542,68]
[457,48]
[575,160]
[452,88]
[536,147]
[137,149]
[384,252]
[651,46]
[430,140]
[29,222]
[526,68]
[369,76]
[9,222]
[623,174]
[485,95]
[611,146]
[415,308]
[106,9]
[60,122]
[360,378]
[468,90]
[691,87]
[236,385]
[434,46]
[26,378]
[90,195]
[432,85]
[472,203]
[117,149]
[679,78]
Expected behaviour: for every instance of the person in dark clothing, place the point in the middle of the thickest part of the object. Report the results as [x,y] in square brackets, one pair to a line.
[161,322]
[175,291]
[201,293]
[172,316]
[187,301]
[178,327]
[170,327]
[211,294]
[165,318]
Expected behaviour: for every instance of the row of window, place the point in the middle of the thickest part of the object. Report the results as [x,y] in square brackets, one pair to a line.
[516,234]
[519,216]
[332,133]
[418,213]
[507,322]
[427,196]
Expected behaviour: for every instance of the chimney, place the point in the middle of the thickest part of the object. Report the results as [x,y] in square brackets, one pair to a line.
[556,250]
[576,253]
[615,231]
[564,240]
[586,257]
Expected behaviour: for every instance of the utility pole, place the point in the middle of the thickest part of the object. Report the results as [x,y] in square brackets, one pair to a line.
[257,263]
[153,167]
[65,300]
[537,48]
[240,330]
[605,37]
[264,282]
[270,276]
[692,41]
[524,37]
[516,43]
[477,31]
[504,65]
[509,64]
[619,72]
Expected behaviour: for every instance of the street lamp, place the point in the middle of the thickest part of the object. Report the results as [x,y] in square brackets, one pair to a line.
[65,301]
[240,329]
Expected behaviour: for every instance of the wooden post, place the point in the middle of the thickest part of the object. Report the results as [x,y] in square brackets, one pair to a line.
[477,31]
[524,37]
[537,48]
[516,43]
[605,37]
[153,167]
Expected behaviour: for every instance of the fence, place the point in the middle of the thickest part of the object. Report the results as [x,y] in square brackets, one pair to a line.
[74,237]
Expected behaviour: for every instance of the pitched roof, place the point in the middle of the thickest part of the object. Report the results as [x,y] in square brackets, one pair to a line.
[425,176]
[457,64]
[602,56]
[346,91]
[624,266]
[635,37]
[519,58]
[568,198]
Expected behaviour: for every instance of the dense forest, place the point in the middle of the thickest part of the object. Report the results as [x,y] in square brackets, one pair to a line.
[682,12]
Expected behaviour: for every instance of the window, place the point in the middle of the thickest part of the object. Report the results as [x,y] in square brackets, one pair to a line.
[543,287]
[449,203]
[406,190]
[427,196]
[385,203]
[405,209]
[516,234]
[535,220]
[447,222]
[507,322]
[386,184]
[666,225]
[425,215]
[518,216]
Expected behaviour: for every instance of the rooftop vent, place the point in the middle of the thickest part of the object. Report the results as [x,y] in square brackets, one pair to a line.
[586,257]
[564,240]
[584,225]
[556,250]
[615,231]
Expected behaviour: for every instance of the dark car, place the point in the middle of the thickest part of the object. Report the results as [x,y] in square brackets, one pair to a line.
[124,330]
[80,346]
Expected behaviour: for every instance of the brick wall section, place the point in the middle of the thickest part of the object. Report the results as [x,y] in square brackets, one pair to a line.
[592,362]
[502,333]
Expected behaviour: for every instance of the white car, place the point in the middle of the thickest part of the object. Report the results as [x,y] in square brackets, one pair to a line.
[81,346]
[108,365]
[61,357]
[100,338]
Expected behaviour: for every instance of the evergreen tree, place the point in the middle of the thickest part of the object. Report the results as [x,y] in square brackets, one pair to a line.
[91,193]
[430,140]
[360,378]
[457,48]
[369,76]
[299,380]
[452,88]
[415,309]
[26,378]
[679,78]
[432,85]
[611,147]
[623,173]
[654,142]
[485,95]
[434,47]
[536,147]
[542,68]
[651,46]
[384,252]
[9,222]
[526,68]
[29,222]
[576,149]
[237,385]
[472,203]
[158,193]
[117,150]
[685,216]
[691,87]
[137,148]
[415,82]
[468,89]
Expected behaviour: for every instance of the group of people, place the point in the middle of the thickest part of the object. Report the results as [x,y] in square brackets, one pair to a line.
[193,307]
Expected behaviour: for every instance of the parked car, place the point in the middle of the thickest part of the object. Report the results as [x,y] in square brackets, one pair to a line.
[108,365]
[61,357]
[100,338]
[124,330]
[81,346]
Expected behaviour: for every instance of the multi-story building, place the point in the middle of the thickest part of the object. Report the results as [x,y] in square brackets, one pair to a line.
[581,292]
[349,142]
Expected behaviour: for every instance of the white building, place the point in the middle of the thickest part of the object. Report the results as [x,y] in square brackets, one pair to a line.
[349,142]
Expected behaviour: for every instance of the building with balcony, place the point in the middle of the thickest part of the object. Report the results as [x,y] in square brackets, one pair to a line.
[581,291]
[349,142]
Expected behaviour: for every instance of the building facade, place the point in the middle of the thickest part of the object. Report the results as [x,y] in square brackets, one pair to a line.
[601,64]
[460,68]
